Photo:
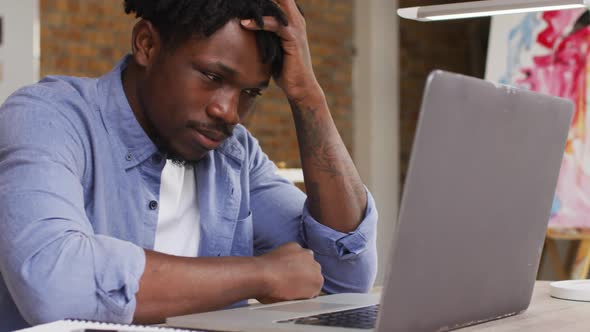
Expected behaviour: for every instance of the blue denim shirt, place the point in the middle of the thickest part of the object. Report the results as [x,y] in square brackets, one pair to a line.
[79,183]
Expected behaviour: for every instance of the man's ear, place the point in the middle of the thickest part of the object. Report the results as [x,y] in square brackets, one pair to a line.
[145,43]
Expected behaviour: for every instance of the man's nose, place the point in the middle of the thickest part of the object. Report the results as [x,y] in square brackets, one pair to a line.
[225,107]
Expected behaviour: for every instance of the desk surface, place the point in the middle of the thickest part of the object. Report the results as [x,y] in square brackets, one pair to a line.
[543,315]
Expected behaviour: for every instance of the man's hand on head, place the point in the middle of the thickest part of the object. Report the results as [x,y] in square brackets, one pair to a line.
[291,273]
[336,194]
[297,78]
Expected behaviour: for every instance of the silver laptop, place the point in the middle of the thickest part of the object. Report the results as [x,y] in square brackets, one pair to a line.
[472,221]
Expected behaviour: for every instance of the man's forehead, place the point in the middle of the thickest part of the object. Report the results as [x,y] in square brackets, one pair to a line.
[230,33]
[231,49]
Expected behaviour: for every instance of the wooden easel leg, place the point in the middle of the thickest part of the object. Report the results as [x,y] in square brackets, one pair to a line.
[582,262]
[542,261]
[554,256]
[572,252]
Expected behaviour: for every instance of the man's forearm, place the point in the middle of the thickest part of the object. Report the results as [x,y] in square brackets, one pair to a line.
[336,195]
[172,286]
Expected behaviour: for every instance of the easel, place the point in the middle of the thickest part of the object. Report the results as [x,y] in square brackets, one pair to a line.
[577,261]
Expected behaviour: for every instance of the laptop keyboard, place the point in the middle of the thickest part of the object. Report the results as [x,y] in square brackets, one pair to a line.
[360,318]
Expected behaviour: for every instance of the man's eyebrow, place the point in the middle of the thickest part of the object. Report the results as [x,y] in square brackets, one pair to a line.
[226,69]
[233,73]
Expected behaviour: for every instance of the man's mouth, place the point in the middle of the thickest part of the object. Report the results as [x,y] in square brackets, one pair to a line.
[212,135]
[208,139]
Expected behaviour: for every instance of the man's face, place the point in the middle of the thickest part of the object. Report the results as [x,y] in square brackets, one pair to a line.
[194,94]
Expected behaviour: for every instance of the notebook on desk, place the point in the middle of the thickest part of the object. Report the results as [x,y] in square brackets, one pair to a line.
[74,325]
[472,220]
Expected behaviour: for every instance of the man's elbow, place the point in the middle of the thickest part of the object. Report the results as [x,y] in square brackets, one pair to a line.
[43,314]
[41,304]
[73,304]
[76,277]
[358,277]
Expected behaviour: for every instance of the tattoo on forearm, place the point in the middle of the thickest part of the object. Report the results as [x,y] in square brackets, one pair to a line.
[322,149]
[328,157]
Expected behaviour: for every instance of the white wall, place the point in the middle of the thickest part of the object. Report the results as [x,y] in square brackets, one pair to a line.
[376,112]
[20,48]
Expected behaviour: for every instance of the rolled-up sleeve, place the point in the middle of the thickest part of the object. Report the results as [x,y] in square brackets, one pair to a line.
[280,214]
[329,242]
[52,262]
[349,260]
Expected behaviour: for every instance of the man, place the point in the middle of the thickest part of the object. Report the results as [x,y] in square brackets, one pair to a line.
[94,224]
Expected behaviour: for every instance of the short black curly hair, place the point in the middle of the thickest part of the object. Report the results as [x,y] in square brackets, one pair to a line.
[178,20]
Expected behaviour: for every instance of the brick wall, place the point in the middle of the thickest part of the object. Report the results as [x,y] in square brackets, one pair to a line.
[83,37]
[87,37]
[459,46]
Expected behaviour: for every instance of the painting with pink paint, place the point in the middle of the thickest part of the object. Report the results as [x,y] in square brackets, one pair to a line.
[549,52]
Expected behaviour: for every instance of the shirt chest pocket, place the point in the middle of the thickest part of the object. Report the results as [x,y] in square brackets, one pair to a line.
[243,236]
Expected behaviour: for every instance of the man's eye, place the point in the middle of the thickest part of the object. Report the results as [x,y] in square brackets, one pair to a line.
[253,92]
[213,77]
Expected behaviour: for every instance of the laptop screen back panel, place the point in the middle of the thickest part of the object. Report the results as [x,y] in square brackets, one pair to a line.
[476,205]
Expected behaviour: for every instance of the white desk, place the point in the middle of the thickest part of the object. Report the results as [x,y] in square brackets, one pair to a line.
[545,314]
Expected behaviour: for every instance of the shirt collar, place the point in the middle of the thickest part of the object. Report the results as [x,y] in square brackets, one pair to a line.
[119,119]
[231,147]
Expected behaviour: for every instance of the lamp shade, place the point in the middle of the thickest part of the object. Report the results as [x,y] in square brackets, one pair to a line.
[486,8]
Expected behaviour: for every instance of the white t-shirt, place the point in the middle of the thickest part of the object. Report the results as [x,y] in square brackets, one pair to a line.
[178,227]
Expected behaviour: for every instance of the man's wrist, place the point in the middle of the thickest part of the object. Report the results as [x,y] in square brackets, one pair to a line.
[308,97]
[262,276]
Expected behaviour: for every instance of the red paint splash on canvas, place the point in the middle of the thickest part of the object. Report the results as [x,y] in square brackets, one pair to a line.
[563,71]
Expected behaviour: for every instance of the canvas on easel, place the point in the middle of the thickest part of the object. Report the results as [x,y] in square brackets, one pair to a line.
[549,52]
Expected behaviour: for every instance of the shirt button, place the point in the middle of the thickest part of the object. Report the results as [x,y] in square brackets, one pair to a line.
[153,205]
[157,158]
[129,157]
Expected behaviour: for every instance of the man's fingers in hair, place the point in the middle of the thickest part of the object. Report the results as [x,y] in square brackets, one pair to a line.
[270,24]
[284,4]
[291,10]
